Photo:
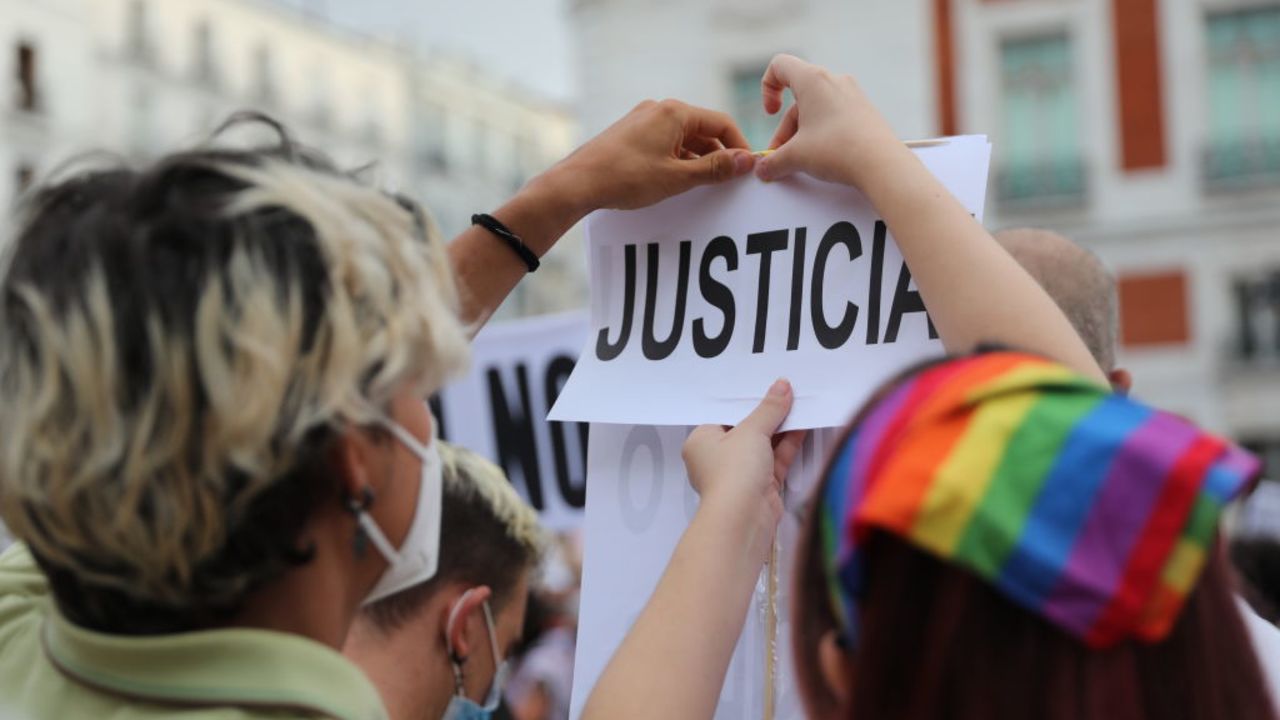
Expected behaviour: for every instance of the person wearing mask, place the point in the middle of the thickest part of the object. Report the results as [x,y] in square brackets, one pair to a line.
[214,448]
[439,649]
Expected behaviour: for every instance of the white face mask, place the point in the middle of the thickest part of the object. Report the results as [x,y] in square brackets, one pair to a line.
[419,555]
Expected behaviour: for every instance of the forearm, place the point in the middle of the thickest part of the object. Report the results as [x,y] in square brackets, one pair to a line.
[674,659]
[485,268]
[976,292]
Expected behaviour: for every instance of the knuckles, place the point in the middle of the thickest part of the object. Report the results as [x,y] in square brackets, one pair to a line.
[670,108]
[721,166]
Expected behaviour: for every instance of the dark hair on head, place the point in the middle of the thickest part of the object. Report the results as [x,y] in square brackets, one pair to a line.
[488,536]
[180,346]
[936,641]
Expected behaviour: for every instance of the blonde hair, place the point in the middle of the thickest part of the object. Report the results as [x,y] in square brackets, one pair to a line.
[173,340]
[470,478]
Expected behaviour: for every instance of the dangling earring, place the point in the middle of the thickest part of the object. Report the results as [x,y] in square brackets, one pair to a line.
[357,508]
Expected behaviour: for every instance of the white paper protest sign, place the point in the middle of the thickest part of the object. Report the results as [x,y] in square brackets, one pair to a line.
[499,410]
[639,505]
[700,302]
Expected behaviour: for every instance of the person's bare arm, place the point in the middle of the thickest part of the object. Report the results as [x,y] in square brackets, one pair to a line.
[673,661]
[657,150]
[975,291]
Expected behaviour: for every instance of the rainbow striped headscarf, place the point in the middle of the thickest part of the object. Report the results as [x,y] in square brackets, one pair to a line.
[1085,507]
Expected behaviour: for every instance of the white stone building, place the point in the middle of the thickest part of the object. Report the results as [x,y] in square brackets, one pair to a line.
[1148,130]
[713,52]
[142,77]
[46,109]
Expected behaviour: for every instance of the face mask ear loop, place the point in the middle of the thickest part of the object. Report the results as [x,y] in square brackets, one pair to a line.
[493,634]
[368,528]
[405,436]
[495,690]
[455,659]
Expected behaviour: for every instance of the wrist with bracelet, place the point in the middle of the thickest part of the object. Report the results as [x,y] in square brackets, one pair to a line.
[513,241]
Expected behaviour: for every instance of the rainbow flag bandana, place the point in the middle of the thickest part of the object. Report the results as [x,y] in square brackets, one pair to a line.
[1085,507]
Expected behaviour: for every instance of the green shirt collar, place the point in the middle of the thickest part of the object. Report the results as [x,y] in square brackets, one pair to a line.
[251,669]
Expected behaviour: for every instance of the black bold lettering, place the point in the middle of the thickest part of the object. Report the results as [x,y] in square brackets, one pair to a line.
[718,295]
[873,295]
[842,233]
[572,489]
[906,300]
[653,348]
[513,434]
[764,244]
[604,349]
[797,288]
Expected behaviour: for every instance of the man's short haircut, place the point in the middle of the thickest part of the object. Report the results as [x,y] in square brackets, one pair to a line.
[1077,281]
[180,344]
[489,536]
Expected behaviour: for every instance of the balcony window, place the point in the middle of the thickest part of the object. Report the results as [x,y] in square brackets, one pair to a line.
[1040,142]
[372,132]
[430,138]
[264,81]
[526,161]
[748,107]
[23,177]
[137,36]
[142,131]
[205,68]
[1268,450]
[480,139]
[1244,97]
[27,96]
[319,92]
[1257,301]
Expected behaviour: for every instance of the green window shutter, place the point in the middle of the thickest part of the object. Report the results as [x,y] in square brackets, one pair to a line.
[1243,96]
[747,107]
[1040,137]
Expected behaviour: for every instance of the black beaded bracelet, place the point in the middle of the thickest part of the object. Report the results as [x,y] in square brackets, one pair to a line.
[495,226]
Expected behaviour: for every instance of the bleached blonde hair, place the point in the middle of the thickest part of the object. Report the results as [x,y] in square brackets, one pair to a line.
[173,341]
[470,478]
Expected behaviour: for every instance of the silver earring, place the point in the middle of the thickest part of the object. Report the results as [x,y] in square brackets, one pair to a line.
[360,543]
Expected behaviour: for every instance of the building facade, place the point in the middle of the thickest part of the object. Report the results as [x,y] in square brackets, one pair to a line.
[714,52]
[1147,130]
[139,78]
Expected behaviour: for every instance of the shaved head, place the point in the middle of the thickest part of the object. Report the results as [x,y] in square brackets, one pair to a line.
[1076,280]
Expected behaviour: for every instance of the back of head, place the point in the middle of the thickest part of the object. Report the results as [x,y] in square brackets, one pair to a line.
[179,344]
[1077,281]
[985,544]
[938,642]
[489,536]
